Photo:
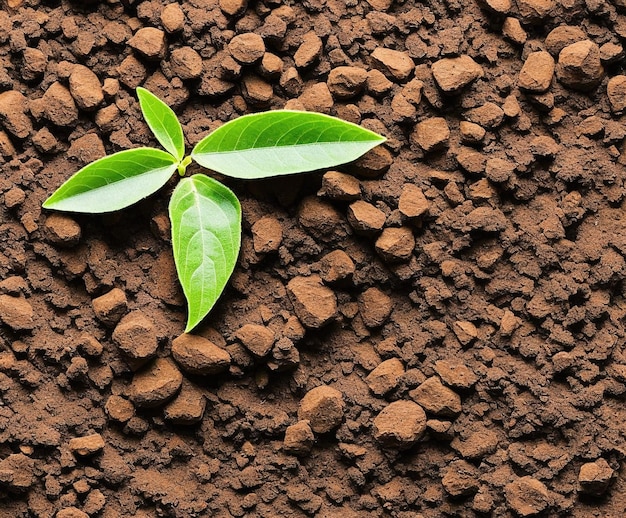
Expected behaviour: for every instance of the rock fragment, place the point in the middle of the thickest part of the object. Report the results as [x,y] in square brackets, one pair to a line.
[537,72]
[317,98]
[16,312]
[384,378]
[186,63]
[579,66]
[87,445]
[155,385]
[197,355]
[13,108]
[136,337]
[323,407]
[315,304]
[110,307]
[258,339]
[309,50]
[436,398]
[374,307]
[247,48]
[460,479]
[374,163]
[150,42]
[527,496]
[345,82]
[400,425]
[594,477]
[85,88]
[431,134]
[395,244]
[453,74]
[267,235]
[396,65]
[299,438]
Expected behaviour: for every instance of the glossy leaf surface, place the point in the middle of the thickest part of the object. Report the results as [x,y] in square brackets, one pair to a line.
[114,182]
[206,237]
[282,142]
[163,122]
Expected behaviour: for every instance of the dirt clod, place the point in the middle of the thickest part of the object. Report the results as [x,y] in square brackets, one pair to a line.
[374,307]
[594,477]
[299,438]
[267,235]
[323,407]
[384,378]
[579,65]
[156,384]
[453,74]
[110,307]
[16,312]
[197,355]
[87,445]
[247,48]
[460,479]
[400,425]
[527,496]
[136,337]
[314,304]
[436,398]
[396,65]
[258,339]
[150,43]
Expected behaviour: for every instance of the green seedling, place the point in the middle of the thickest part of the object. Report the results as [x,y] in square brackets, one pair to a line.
[205,214]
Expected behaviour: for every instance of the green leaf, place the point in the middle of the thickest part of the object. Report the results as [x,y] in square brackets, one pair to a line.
[282,142]
[163,122]
[206,237]
[114,182]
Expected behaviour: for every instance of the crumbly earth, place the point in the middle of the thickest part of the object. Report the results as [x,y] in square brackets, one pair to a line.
[435,330]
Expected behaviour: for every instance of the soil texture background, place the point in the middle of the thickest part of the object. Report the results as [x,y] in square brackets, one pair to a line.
[435,330]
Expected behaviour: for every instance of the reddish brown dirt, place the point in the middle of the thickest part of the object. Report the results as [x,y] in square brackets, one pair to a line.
[437,330]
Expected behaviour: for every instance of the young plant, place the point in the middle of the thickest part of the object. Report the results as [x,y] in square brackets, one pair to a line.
[206,215]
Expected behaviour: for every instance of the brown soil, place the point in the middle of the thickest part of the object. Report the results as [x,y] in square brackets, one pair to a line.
[436,330]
